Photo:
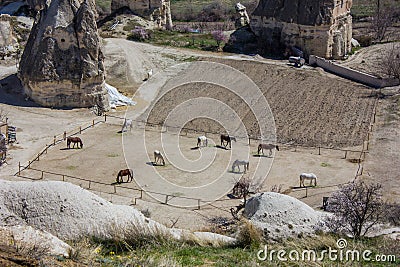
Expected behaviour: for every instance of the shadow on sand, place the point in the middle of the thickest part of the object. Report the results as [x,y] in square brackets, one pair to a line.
[261,156]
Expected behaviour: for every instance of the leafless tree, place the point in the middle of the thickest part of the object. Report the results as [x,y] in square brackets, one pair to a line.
[357,207]
[385,16]
[391,61]
[242,189]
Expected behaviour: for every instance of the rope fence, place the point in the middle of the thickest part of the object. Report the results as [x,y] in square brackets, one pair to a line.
[183,131]
[186,131]
[56,140]
[114,187]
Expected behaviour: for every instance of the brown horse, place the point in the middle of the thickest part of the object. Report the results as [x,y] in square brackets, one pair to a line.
[74,140]
[122,173]
[228,139]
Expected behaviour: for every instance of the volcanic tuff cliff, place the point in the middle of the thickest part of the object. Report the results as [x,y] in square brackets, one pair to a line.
[319,27]
[62,64]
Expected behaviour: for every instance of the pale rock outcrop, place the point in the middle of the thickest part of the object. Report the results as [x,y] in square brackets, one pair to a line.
[26,238]
[243,19]
[282,216]
[70,212]
[318,27]
[8,41]
[158,11]
[62,64]
[243,40]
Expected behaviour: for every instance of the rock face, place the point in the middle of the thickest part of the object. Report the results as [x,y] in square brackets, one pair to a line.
[281,216]
[243,19]
[242,41]
[62,64]
[318,27]
[8,41]
[70,212]
[156,10]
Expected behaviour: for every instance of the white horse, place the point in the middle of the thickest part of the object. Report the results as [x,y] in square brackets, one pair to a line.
[261,148]
[158,157]
[308,176]
[202,140]
[149,73]
[127,123]
[238,163]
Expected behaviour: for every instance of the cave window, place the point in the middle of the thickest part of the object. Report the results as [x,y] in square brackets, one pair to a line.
[62,40]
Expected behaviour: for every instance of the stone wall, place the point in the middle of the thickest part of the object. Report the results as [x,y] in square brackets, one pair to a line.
[62,64]
[319,27]
[353,75]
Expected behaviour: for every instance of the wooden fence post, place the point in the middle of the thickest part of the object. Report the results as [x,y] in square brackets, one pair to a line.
[166,199]
[115,189]
[319,150]
[38,155]
[306,191]
[90,183]
[345,154]
[41,176]
[29,164]
[54,140]
[198,202]
[63,177]
[19,167]
[93,123]
[80,130]
[105,117]
[141,194]
[46,148]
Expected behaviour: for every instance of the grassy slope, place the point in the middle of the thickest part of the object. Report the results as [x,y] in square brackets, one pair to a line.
[178,254]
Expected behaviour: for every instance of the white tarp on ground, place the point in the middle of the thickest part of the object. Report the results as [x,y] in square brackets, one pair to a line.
[118,99]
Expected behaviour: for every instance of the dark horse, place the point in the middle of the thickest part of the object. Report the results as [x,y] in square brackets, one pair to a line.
[74,140]
[122,173]
[228,139]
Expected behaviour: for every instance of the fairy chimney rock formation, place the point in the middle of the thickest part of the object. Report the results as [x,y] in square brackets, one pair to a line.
[318,27]
[243,19]
[62,64]
[8,41]
[158,11]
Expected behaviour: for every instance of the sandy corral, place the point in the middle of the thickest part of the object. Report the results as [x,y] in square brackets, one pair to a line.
[344,104]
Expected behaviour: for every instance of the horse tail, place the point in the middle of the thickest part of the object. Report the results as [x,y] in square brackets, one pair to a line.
[259,148]
[277,148]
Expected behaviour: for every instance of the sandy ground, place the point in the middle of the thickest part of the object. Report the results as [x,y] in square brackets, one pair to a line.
[308,107]
[335,101]
[370,59]
[330,168]
[383,161]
